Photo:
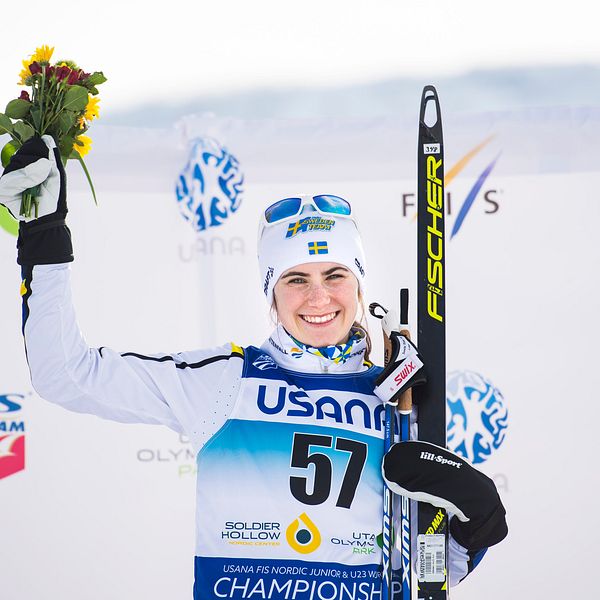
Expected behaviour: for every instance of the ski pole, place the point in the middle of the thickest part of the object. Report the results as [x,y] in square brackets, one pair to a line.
[404,406]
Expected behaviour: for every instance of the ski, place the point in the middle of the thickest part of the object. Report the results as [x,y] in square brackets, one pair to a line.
[432,530]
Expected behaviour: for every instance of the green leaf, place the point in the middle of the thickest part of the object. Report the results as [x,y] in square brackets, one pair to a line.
[96,78]
[7,152]
[66,146]
[65,120]
[87,174]
[6,125]
[17,108]
[76,98]
[36,117]
[23,130]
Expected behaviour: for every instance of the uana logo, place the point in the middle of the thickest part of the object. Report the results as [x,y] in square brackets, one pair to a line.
[477,416]
[209,188]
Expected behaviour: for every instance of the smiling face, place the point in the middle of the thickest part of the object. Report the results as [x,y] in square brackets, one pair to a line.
[317,302]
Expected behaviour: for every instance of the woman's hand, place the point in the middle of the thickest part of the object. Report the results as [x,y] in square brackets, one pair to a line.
[45,239]
[36,163]
[427,473]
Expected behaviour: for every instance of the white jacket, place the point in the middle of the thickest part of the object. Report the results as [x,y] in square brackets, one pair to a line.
[289,492]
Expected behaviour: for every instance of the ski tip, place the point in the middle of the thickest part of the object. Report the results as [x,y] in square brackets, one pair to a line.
[429,90]
[430,107]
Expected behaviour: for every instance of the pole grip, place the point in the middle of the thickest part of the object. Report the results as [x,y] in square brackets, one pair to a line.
[405,401]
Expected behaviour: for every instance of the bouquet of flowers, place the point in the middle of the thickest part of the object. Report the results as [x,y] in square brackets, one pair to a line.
[62,103]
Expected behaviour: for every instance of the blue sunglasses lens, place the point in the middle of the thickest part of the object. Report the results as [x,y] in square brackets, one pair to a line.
[289,207]
[282,209]
[332,204]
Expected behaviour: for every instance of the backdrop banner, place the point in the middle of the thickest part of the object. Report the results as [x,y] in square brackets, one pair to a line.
[97,510]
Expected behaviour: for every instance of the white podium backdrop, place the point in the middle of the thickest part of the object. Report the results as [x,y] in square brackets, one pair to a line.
[105,511]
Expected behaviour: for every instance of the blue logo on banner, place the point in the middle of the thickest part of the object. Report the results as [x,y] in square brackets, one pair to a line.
[209,188]
[10,403]
[477,416]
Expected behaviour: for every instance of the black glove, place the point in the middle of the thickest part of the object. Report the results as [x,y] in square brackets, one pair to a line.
[46,239]
[427,473]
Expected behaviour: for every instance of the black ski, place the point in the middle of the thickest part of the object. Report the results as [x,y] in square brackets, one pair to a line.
[432,538]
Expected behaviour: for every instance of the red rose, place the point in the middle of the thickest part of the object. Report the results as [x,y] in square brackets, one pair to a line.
[73,78]
[25,96]
[49,72]
[35,68]
[62,72]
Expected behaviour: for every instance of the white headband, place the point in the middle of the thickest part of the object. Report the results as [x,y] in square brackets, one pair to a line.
[310,237]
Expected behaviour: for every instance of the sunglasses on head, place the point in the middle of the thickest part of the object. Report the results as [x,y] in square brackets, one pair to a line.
[291,207]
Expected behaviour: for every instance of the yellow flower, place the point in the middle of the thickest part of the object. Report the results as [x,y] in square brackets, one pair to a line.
[25,73]
[81,122]
[92,110]
[43,54]
[84,145]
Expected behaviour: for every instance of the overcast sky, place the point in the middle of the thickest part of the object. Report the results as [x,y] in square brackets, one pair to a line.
[189,48]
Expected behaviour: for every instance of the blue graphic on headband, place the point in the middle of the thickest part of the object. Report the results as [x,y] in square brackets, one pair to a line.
[209,188]
[476,414]
[318,248]
[309,224]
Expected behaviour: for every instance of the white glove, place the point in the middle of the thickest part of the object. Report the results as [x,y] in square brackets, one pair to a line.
[33,164]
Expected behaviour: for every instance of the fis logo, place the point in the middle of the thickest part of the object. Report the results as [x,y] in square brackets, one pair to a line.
[12,435]
[478,194]
[302,535]
[209,188]
[478,185]
[476,414]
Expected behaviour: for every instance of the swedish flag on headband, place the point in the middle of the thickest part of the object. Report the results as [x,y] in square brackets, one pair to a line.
[317,248]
